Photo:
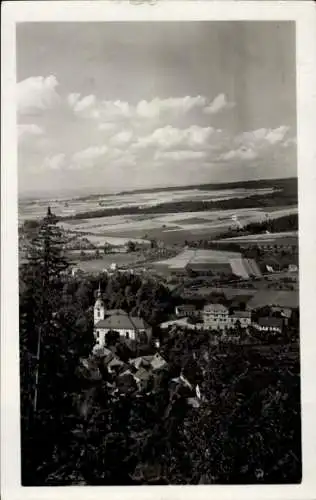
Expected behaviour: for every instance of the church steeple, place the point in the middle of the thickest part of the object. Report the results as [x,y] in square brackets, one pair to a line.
[99,309]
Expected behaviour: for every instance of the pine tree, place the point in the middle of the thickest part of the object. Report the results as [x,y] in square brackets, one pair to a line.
[41,343]
[47,251]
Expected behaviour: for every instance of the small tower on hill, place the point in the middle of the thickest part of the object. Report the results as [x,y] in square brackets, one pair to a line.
[99,309]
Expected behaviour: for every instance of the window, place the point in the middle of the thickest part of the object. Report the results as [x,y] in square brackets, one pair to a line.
[127,335]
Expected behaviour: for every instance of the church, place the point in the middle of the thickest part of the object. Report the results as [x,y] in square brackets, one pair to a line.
[116,320]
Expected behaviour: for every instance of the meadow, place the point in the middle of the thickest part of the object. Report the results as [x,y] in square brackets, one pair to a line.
[172,228]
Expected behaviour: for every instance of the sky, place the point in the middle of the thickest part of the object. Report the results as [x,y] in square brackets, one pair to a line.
[109,106]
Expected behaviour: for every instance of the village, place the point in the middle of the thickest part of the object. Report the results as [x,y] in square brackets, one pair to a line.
[261,317]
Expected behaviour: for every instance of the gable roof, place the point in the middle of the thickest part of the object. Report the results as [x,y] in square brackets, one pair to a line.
[141,361]
[122,321]
[158,362]
[115,362]
[142,374]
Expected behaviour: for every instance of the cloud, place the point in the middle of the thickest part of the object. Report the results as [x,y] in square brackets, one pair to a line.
[239,154]
[219,104]
[56,162]
[263,137]
[122,138]
[170,108]
[86,158]
[107,127]
[72,99]
[104,111]
[36,94]
[277,135]
[169,137]
[179,105]
[179,155]
[29,129]
[101,157]
[291,141]
[263,143]
[88,139]
[83,105]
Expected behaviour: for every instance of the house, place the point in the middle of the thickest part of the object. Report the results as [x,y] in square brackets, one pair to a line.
[130,327]
[285,312]
[143,378]
[186,310]
[243,318]
[215,317]
[126,382]
[141,361]
[181,323]
[269,324]
[158,362]
[115,365]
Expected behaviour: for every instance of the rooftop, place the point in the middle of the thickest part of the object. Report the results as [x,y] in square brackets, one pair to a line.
[122,322]
[242,314]
[271,322]
[215,308]
[186,307]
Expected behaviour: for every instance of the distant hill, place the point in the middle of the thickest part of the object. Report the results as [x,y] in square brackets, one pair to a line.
[253,184]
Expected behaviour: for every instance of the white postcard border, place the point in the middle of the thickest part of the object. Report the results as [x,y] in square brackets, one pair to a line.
[304,15]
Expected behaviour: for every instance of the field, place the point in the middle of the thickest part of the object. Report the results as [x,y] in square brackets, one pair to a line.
[281,238]
[254,298]
[32,209]
[172,228]
[123,261]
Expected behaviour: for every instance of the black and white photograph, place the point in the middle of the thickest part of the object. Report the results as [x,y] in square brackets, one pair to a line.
[159,264]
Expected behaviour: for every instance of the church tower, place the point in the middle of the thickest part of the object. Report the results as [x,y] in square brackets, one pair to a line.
[99,309]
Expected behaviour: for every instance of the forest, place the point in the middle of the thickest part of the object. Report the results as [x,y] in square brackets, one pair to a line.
[76,431]
[280,225]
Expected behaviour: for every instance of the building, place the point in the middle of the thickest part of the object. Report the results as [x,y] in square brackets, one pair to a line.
[130,327]
[203,262]
[186,310]
[242,318]
[181,323]
[216,317]
[269,324]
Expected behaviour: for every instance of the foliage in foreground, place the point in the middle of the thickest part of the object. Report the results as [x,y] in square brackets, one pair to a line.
[76,431]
